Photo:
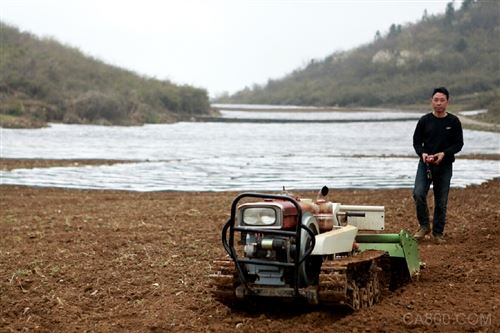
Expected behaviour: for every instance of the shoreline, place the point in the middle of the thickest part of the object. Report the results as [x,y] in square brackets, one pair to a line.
[8,164]
[469,123]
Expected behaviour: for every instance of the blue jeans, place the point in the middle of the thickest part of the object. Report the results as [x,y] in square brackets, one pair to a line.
[441,178]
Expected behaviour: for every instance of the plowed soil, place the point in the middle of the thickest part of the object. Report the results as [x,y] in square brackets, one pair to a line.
[110,261]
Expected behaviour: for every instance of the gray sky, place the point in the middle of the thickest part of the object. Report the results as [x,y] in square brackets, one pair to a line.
[219,45]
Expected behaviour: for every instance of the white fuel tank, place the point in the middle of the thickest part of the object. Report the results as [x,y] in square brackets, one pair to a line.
[373,219]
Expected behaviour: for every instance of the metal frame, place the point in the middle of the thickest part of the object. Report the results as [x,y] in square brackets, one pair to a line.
[229,243]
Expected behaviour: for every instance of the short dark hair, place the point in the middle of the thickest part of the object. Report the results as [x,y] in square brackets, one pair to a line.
[441,90]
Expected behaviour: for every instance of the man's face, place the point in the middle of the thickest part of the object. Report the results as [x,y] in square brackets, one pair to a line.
[439,102]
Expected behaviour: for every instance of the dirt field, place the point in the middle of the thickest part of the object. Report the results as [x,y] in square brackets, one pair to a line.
[99,261]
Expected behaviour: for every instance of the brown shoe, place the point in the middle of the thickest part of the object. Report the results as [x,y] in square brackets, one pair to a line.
[420,234]
[439,239]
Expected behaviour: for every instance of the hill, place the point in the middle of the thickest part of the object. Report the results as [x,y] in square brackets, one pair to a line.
[459,49]
[43,81]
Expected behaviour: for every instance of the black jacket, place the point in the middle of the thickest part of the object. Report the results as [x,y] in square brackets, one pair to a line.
[433,135]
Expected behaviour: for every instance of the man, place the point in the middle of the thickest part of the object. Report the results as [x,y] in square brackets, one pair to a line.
[438,137]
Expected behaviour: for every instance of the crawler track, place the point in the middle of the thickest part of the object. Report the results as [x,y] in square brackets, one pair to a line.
[356,281]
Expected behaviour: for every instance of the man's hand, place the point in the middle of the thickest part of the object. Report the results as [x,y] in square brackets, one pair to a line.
[433,159]
[438,157]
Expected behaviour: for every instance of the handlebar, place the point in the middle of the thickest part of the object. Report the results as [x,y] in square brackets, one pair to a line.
[353,214]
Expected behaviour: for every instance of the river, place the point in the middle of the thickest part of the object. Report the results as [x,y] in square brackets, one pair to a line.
[213,156]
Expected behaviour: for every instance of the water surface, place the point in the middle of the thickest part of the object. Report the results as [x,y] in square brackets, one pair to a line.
[192,156]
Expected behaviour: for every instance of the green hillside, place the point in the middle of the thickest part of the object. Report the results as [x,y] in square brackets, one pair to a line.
[459,49]
[43,81]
